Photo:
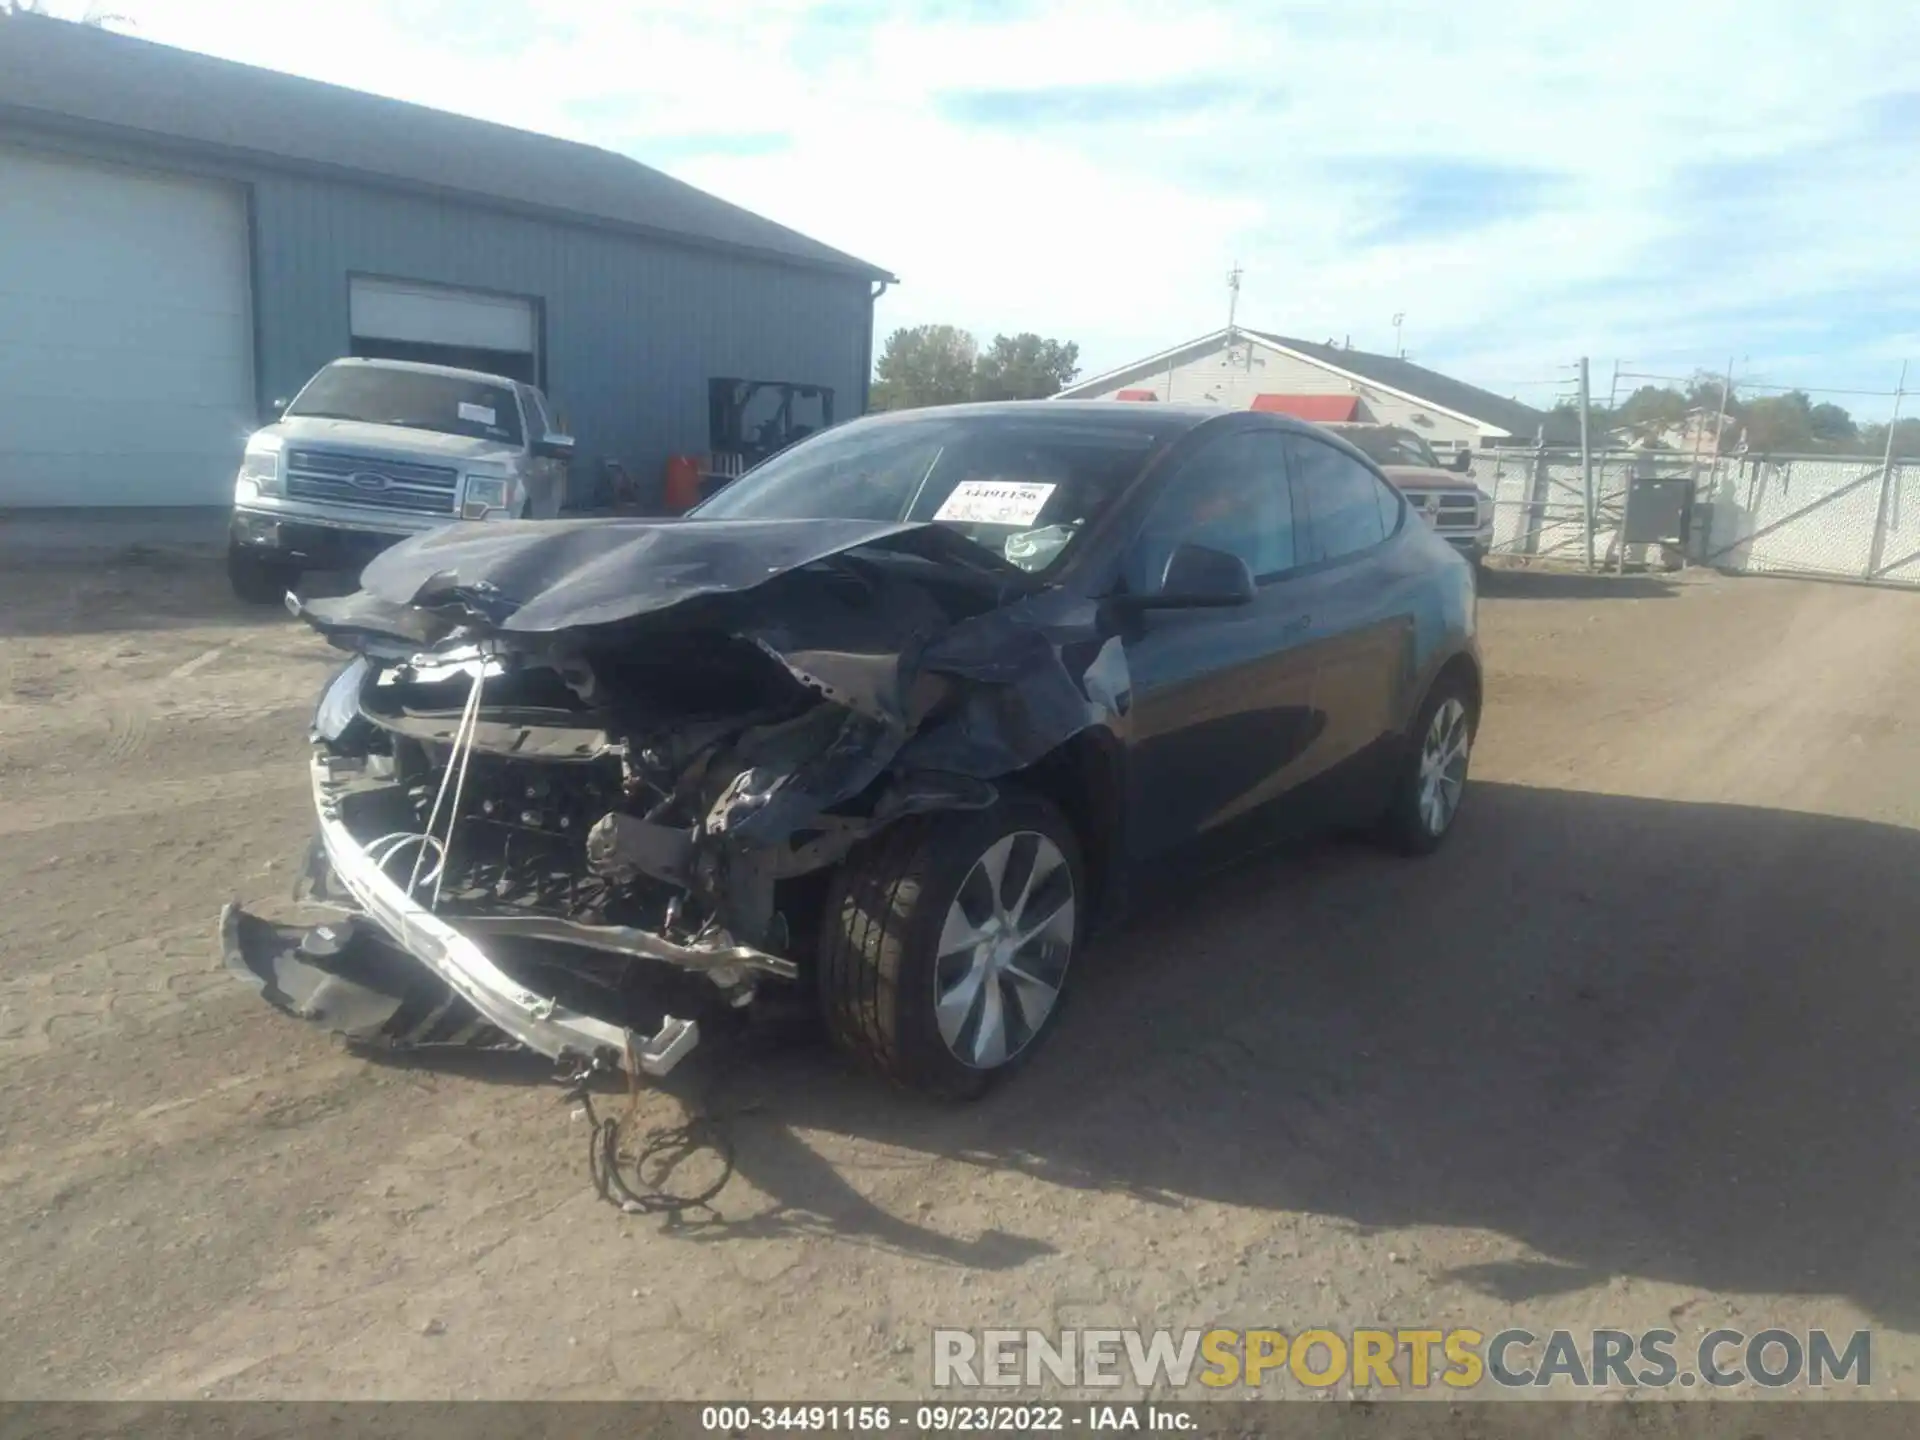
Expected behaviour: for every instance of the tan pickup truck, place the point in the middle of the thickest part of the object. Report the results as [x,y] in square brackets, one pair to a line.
[1458,510]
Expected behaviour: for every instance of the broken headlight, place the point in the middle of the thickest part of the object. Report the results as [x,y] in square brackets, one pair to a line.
[339,705]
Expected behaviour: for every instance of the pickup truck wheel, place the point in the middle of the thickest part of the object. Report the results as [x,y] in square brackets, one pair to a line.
[258,579]
[946,943]
[1432,779]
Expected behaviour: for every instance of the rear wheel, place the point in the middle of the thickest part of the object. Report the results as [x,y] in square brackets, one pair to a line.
[1432,780]
[259,579]
[947,940]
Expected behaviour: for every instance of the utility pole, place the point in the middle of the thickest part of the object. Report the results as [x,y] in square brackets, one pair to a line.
[1586,455]
[1233,298]
[1613,390]
[1719,424]
[1878,553]
[1399,350]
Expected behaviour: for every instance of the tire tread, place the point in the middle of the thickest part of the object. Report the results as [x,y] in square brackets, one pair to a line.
[876,914]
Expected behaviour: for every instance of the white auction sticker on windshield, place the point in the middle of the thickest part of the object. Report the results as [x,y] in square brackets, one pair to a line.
[995,502]
[478,414]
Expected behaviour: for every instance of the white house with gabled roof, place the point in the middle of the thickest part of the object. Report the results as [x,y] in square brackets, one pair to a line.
[1244,369]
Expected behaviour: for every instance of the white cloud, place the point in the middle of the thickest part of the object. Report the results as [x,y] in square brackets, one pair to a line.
[1705,178]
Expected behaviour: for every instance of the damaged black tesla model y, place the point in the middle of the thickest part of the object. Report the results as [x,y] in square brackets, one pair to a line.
[885,727]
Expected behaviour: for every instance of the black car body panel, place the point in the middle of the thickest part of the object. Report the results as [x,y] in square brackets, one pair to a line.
[673,724]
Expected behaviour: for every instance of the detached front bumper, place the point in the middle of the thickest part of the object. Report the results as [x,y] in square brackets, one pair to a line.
[328,978]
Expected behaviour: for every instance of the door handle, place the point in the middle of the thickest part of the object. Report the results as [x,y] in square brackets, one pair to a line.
[1299,625]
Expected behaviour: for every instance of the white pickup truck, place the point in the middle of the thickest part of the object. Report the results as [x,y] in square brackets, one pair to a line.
[371,451]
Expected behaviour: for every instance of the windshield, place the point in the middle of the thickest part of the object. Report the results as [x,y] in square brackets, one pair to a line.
[414,399]
[1386,446]
[1022,487]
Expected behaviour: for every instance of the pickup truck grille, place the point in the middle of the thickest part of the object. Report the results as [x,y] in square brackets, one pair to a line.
[1454,510]
[373,483]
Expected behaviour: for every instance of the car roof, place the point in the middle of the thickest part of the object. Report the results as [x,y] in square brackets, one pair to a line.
[1122,415]
[420,367]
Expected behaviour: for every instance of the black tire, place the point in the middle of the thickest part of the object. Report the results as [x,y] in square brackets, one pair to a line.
[259,579]
[878,966]
[1403,826]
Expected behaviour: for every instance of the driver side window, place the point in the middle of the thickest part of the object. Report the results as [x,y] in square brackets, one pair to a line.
[1232,496]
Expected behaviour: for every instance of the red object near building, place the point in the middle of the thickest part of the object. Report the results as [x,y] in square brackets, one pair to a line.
[1137,395]
[682,488]
[1327,409]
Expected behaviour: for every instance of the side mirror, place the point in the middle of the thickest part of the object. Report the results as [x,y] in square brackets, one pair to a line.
[1462,462]
[1198,577]
[554,447]
[280,406]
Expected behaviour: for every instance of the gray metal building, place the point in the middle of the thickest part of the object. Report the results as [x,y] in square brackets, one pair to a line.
[184,240]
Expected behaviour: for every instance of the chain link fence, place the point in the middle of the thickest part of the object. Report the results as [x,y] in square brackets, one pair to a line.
[1822,515]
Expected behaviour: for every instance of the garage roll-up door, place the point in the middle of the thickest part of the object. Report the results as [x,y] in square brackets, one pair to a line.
[398,320]
[126,359]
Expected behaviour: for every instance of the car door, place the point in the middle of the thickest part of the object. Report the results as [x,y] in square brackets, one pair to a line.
[1356,588]
[1221,704]
[547,492]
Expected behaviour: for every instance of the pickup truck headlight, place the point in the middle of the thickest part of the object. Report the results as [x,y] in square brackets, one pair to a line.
[259,469]
[485,495]
[1484,502]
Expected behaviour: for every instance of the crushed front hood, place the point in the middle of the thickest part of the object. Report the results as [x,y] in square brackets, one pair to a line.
[533,576]
[1033,665]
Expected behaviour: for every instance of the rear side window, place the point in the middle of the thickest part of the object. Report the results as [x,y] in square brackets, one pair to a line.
[1342,509]
[1232,496]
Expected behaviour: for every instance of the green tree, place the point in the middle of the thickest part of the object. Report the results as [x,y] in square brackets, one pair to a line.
[1703,393]
[1564,420]
[1906,440]
[1651,410]
[1024,367]
[1780,424]
[925,365]
[95,17]
[1832,425]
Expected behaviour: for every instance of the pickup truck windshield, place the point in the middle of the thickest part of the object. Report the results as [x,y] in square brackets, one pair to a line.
[1021,488]
[412,399]
[1386,446]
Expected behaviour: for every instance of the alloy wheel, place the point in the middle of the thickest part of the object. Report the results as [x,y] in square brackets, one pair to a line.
[1443,765]
[1004,950]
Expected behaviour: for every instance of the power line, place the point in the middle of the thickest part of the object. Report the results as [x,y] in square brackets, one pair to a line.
[1759,385]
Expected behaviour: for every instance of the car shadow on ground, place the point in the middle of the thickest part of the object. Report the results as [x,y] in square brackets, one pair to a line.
[1642,1038]
[1519,584]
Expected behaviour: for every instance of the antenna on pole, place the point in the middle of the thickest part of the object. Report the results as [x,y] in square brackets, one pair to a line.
[1233,296]
[1399,319]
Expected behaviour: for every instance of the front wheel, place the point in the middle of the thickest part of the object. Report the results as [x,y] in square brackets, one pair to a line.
[258,579]
[947,940]
[1432,779]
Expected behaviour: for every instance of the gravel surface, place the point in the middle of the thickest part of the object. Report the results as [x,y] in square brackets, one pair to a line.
[1635,1050]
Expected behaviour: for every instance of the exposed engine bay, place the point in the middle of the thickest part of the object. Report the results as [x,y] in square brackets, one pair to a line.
[582,778]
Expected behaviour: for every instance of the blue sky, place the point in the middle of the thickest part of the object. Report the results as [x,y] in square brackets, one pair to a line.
[1665,184]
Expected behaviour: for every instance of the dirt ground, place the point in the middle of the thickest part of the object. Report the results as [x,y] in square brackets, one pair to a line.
[1636,1050]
